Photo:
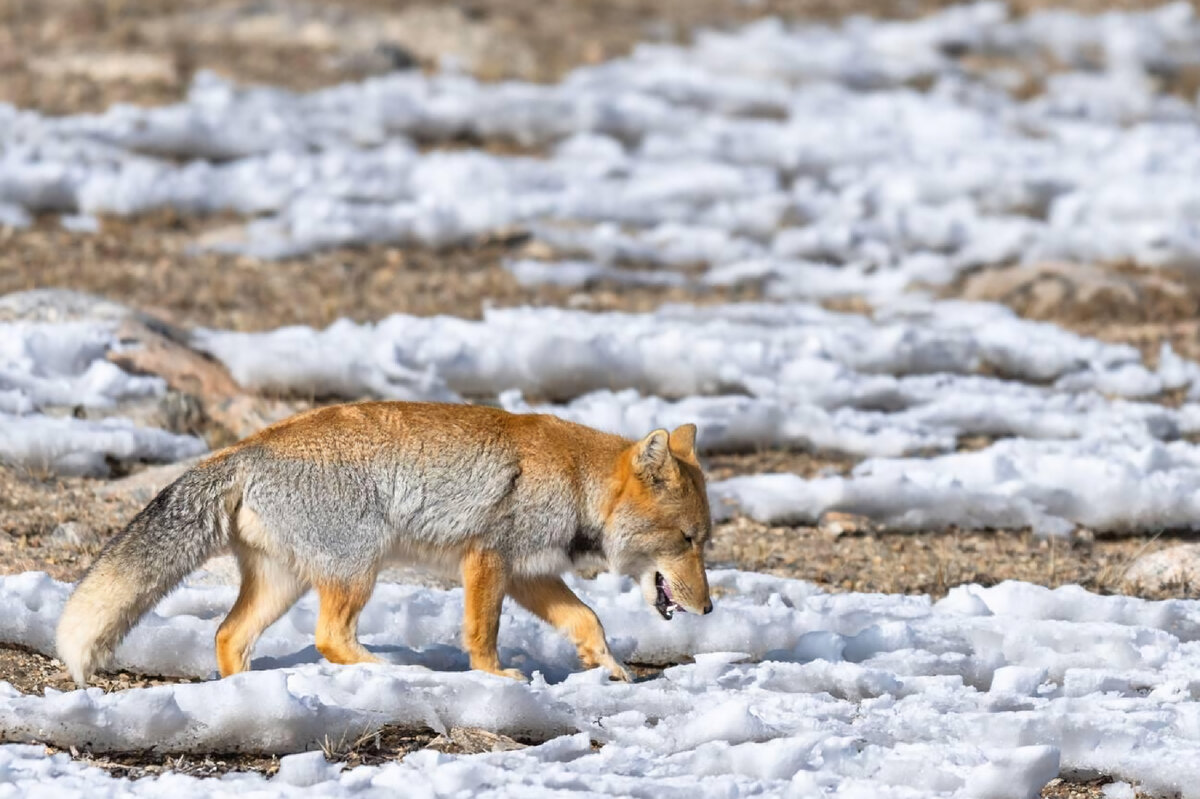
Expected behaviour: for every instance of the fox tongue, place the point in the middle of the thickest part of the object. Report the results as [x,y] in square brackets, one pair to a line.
[665,603]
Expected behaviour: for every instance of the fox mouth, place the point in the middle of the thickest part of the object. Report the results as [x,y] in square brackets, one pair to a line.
[664,603]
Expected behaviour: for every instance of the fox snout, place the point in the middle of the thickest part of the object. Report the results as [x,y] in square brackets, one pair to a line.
[671,589]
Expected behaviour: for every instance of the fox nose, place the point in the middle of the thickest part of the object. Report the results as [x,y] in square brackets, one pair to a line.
[708,607]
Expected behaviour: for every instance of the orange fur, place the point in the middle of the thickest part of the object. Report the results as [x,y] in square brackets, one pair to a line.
[484,575]
[549,599]
[268,590]
[337,623]
[357,431]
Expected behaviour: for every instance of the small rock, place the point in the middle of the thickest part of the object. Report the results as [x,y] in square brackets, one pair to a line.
[1167,569]
[141,487]
[72,534]
[836,524]
[147,351]
[1082,291]
[1083,538]
[473,741]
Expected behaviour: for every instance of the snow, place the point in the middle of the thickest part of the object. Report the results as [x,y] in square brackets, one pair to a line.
[1050,486]
[62,364]
[46,364]
[1078,446]
[796,350]
[66,445]
[988,692]
[902,384]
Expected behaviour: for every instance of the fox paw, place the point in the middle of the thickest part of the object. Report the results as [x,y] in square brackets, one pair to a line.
[617,671]
[512,674]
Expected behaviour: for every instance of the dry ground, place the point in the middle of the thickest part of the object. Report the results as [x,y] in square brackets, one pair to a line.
[144,263]
[65,56]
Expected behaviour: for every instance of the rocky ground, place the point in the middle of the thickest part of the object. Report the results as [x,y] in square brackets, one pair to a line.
[67,56]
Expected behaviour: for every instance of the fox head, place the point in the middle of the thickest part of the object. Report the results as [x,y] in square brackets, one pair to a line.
[659,521]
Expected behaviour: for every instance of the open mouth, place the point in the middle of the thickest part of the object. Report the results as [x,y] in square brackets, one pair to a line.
[664,603]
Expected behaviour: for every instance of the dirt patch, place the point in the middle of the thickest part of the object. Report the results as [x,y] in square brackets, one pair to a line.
[1083,293]
[806,464]
[387,744]
[1059,788]
[934,562]
[144,263]
[135,765]
[1120,303]
[32,673]
[68,56]
[54,525]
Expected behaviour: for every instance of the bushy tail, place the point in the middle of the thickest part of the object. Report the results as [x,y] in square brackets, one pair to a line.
[180,528]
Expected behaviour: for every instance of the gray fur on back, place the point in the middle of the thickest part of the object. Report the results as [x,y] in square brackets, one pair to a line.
[341,519]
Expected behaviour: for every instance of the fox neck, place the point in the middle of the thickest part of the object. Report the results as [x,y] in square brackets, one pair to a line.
[603,479]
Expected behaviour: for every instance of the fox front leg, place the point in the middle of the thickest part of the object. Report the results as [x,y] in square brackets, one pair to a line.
[551,600]
[484,576]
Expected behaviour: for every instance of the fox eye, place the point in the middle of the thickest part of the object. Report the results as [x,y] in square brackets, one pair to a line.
[689,538]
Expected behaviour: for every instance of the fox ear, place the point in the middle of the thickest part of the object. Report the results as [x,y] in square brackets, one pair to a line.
[650,454]
[683,441]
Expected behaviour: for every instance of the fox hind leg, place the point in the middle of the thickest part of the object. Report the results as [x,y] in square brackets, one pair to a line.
[337,624]
[268,589]
[484,576]
[550,599]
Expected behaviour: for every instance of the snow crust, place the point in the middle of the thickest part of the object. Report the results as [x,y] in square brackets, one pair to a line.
[797,351]
[989,692]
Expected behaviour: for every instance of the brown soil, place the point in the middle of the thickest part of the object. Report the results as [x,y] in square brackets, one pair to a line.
[1118,302]
[933,562]
[1059,788]
[32,673]
[805,464]
[374,747]
[142,263]
[67,56]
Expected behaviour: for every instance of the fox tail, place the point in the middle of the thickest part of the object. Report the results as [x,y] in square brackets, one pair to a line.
[188,521]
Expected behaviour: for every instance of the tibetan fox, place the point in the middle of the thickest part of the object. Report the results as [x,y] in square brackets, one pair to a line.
[327,497]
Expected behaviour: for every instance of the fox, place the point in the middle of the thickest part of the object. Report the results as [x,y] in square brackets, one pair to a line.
[325,498]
